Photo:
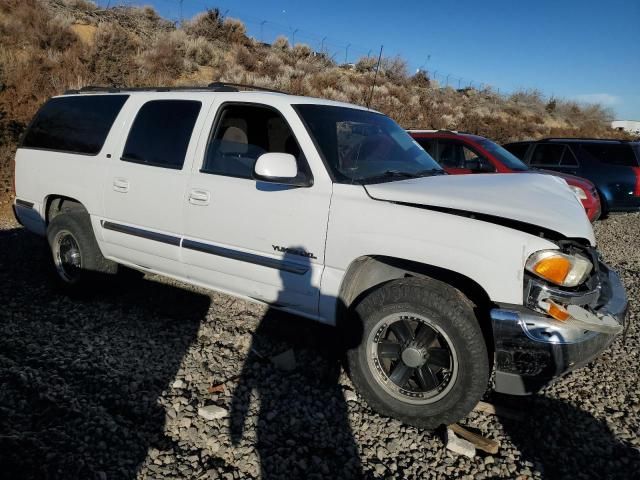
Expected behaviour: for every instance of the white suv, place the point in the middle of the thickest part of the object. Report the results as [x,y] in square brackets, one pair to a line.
[333,212]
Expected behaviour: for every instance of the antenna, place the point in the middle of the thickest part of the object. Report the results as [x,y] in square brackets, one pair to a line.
[375,77]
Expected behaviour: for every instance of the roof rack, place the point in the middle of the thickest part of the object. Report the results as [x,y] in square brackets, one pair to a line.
[582,139]
[441,130]
[212,87]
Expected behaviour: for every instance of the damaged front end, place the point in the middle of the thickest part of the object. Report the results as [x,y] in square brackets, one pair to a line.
[559,328]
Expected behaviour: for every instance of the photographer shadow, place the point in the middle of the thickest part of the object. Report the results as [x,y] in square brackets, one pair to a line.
[302,428]
[82,377]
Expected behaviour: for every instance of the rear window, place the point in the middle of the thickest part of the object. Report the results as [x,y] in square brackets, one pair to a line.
[161,133]
[611,153]
[77,124]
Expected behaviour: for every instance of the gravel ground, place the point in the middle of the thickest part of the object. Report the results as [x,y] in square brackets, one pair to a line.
[119,386]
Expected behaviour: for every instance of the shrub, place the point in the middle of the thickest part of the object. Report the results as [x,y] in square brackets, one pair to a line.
[199,50]
[366,64]
[112,55]
[164,60]
[245,58]
[234,30]
[281,43]
[395,69]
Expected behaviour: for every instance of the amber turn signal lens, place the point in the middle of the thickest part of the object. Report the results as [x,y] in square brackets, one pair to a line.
[558,312]
[553,268]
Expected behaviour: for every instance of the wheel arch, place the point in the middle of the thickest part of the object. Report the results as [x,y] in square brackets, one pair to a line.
[55,204]
[368,272]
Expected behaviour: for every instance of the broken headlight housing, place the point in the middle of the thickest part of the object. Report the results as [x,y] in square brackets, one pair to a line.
[563,269]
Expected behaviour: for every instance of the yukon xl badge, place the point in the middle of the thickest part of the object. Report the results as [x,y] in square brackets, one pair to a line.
[294,251]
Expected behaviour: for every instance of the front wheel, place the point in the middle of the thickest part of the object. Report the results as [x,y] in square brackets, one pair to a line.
[422,358]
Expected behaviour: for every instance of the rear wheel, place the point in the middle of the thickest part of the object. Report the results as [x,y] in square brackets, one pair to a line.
[423,358]
[77,259]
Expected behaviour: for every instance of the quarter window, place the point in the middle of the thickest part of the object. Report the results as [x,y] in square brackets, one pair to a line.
[161,132]
[242,134]
[74,124]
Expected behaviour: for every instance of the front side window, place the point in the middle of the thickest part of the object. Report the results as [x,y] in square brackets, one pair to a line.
[74,124]
[429,145]
[161,132]
[547,155]
[243,133]
[518,150]
[360,146]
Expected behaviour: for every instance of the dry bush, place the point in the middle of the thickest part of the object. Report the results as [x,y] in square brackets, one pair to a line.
[301,50]
[395,69]
[164,60]
[245,58]
[199,50]
[281,43]
[112,55]
[366,64]
[234,30]
[85,5]
[271,66]
[27,23]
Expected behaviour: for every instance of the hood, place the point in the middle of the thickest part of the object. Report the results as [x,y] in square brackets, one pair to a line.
[538,200]
[567,176]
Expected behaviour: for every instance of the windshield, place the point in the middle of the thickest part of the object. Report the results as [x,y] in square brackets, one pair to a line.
[360,146]
[504,156]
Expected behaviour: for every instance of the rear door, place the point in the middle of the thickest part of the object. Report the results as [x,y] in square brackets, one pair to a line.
[547,156]
[252,238]
[144,188]
[615,166]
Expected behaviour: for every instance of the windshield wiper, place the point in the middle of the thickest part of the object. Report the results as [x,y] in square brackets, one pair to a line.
[386,174]
[430,171]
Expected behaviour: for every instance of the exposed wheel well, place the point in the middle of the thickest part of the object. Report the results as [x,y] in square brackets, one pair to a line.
[57,204]
[369,272]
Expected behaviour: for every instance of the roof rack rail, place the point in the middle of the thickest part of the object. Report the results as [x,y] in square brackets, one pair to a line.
[242,85]
[212,87]
[582,138]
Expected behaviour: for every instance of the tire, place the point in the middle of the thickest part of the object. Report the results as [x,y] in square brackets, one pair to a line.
[446,352]
[77,262]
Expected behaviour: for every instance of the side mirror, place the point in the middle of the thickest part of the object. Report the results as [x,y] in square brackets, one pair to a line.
[280,168]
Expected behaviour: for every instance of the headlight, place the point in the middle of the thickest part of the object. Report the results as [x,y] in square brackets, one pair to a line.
[578,192]
[559,268]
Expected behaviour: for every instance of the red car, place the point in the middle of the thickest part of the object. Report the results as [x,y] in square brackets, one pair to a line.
[460,153]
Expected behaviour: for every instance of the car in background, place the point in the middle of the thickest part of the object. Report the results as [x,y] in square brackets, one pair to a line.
[612,165]
[462,153]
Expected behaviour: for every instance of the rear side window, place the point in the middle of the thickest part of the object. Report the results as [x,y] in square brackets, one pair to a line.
[611,153]
[547,155]
[74,124]
[518,149]
[161,132]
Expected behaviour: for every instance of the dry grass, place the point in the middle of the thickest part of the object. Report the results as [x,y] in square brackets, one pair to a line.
[47,46]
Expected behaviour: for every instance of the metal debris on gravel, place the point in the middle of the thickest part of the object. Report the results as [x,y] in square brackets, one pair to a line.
[115,385]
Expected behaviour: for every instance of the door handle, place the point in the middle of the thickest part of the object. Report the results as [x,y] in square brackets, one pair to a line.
[199,197]
[121,185]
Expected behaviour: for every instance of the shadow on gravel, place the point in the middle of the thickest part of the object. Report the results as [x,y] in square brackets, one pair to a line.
[563,441]
[80,379]
[302,426]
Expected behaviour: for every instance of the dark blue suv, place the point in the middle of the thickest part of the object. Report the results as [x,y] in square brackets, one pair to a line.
[612,165]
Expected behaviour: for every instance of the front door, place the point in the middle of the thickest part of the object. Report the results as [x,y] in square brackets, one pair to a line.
[146,182]
[253,238]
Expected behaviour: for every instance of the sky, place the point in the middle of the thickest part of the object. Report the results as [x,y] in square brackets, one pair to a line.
[574,49]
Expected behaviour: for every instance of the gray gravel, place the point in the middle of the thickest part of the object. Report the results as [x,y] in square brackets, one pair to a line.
[119,386]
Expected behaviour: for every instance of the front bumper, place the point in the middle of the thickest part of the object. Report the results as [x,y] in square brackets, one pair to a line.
[532,349]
